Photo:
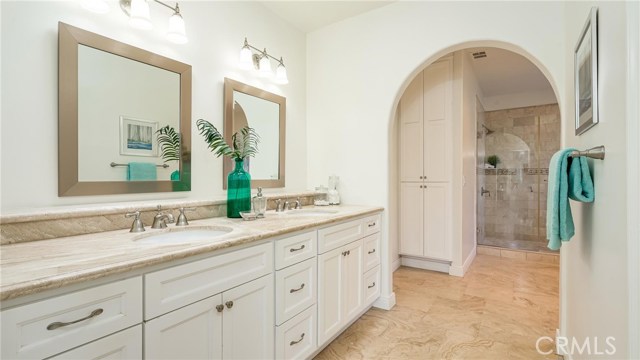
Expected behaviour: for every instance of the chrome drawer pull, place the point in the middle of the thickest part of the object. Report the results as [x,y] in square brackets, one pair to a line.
[371,252]
[298,249]
[298,289]
[295,342]
[372,224]
[58,324]
[229,304]
[370,286]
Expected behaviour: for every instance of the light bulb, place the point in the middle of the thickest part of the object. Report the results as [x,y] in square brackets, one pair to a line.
[281,74]
[177,33]
[246,57]
[96,6]
[140,18]
[265,65]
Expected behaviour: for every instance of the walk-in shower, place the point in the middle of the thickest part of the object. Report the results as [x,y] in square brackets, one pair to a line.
[514,147]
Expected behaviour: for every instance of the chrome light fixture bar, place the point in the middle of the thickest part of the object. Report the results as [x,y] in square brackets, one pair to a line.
[139,17]
[260,61]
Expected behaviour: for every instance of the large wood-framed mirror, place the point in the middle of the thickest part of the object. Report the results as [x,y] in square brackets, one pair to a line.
[266,113]
[113,100]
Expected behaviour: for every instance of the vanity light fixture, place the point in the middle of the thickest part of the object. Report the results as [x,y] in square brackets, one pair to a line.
[261,62]
[139,17]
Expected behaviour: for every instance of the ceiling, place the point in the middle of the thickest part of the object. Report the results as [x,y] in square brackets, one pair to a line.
[502,72]
[312,15]
[505,72]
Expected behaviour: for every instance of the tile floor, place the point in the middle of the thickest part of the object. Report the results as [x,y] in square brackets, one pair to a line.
[497,311]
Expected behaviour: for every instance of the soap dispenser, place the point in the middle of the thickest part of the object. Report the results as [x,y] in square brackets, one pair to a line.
[259,204]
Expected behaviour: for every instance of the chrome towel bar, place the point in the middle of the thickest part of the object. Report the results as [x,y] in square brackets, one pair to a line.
[594,153]
[114,165]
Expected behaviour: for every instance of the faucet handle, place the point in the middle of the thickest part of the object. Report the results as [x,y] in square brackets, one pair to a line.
[298,204]
[278,201]
[137,225]
[182,219]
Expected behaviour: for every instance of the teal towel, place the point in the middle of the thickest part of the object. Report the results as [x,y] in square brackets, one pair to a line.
[568,178]
[141,171]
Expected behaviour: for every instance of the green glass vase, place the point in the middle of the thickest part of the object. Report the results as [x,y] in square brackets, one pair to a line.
[238,190]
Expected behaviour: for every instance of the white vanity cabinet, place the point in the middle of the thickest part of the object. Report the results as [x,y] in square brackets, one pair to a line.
[124,345]
[220,307]
[340,277]
[296,294]
[54,325]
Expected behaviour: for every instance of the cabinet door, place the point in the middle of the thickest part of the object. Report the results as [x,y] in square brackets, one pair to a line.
[437,120]
[411,112]
[352,280]
[330,295]
[248,327]
[125,345]
[411,219]
[191,332]
[436,215]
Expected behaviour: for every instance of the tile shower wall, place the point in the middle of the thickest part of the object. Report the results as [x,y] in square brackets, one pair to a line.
[524,139]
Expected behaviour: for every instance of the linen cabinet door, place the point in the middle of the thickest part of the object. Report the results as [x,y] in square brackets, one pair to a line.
[411,149]
[191,332]
[411,219]
[437,244]
[248,327]
[437,120]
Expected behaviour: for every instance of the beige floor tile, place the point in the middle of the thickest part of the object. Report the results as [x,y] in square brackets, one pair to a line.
[497,311]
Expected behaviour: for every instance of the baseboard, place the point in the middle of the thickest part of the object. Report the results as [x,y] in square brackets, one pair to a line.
[461,270]
[395,265]
[385,302]
[426,264]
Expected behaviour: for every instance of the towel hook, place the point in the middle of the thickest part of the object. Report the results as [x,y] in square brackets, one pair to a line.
[594,153]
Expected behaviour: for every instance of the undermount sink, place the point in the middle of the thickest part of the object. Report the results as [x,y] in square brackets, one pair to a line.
[185,235]
[311,212]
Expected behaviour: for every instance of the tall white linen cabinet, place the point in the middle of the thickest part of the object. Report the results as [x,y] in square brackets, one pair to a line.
[425,167]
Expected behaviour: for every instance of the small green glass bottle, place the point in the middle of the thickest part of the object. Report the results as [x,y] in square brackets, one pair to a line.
[238,190]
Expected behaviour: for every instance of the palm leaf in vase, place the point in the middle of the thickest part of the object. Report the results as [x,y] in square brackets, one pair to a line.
[169,141]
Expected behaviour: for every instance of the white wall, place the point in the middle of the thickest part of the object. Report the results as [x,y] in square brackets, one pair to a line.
[358,69]
[216,31]
[470,92]
[594,263]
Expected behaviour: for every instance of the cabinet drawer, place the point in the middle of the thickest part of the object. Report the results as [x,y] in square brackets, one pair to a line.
[51,326]
[371,224]
[296,338]
[124,345]
[371,251]
[371,285]
[335,236]
[169,289]
[295,289]
[295,249]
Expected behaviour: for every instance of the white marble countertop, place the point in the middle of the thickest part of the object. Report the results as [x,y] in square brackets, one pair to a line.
[36,266]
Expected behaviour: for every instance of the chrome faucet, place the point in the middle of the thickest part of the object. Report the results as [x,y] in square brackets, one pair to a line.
[137,225]
[182,219]
[298,204]
[282,206]
[160,220]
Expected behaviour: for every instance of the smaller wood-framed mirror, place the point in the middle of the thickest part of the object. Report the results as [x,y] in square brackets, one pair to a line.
[266,113]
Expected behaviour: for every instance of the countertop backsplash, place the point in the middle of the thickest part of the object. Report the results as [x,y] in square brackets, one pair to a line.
[69,221]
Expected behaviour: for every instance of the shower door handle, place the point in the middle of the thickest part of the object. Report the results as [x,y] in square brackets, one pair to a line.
[483,191]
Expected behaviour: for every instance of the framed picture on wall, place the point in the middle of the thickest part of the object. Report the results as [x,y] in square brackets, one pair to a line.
[586,75]
[138,137]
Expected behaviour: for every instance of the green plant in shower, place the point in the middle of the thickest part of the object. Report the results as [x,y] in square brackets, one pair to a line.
[493,160]
[169,142]
[244,143]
